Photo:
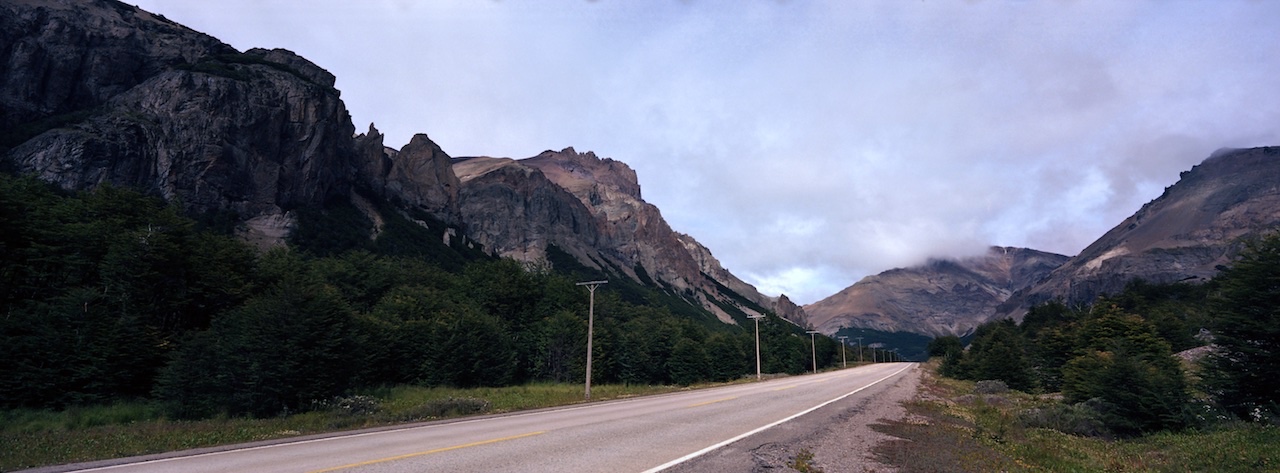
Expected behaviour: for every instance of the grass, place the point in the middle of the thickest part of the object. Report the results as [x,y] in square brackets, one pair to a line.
[32,438]
[950,428]
[803,462]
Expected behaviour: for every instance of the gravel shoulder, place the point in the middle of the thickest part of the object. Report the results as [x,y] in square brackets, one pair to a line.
[838,436]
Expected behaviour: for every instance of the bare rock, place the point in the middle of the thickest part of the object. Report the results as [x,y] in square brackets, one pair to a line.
[942,297]
[421,174]
[1187,234]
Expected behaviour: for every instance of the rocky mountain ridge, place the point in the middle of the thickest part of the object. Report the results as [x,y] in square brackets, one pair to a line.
[593,210]
[941,297]
[1187,234]
[109,93]
[1198,225]
[102,92]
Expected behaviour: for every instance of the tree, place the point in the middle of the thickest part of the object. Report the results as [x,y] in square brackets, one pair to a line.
[281,350]
[941,346]
[998,352]
[1242,373]
[688,363]
[1126,366]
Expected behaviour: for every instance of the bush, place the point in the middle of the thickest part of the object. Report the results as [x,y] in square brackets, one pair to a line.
[451,406]
[1082,418]
[349,405]
[990,386]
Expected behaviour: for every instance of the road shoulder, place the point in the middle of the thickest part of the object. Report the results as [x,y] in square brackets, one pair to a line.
[838,436]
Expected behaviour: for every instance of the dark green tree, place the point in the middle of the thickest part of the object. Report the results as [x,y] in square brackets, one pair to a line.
[998,351]
[1130,370]
[943,345]
[688,363]
[1243,372]
[279,352]
[561,348]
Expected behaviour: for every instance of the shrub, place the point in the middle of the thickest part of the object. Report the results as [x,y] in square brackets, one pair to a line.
[990,386]
[349,405]
[1082,418]
[450,406]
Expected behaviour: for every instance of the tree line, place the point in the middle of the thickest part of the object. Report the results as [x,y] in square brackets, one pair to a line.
[1114,359]
[112,295]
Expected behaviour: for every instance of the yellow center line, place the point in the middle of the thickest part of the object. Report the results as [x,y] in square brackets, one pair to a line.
[786,387]
[428,452]
[712,402]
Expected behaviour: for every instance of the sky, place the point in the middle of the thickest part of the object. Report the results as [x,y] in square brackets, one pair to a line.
[811,143]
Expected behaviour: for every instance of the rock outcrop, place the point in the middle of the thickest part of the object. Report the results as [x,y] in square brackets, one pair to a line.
[60,57]
[942,297]
[592,209]
[101,92]
[421,174]
[251,139]
[515,211]
[1198,225]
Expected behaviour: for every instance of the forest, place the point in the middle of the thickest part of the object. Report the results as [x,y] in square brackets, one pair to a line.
[1113,361]
[111,295]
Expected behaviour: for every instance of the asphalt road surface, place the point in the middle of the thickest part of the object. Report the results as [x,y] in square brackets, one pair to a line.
[648,434]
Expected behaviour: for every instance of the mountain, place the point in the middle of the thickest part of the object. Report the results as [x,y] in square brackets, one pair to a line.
[592,209]
[102,92]
[941,297]
[1196,226]
[98,92]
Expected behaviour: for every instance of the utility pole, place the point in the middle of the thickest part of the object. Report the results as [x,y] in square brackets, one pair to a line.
[843,362]
[859,349]
[757,318]
[813,345]
[591,323]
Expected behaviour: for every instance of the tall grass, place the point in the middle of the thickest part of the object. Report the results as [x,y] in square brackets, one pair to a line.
[34,438]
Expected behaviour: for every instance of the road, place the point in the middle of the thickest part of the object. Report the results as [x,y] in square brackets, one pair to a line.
[645,434]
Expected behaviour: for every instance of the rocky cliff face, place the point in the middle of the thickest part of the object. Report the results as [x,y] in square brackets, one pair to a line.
[101,92]
[942,297]
[592,208]
[182,115]
[1197,225]
[65,56]
[515,211]
[419,174]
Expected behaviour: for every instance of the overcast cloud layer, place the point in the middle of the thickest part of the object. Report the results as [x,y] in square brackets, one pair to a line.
[809,144]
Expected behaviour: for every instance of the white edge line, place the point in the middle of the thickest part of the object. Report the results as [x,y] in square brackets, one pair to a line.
[461,421]
[769,426]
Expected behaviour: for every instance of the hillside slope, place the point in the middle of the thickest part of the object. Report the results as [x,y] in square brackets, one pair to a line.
[1197,225]
[941,297]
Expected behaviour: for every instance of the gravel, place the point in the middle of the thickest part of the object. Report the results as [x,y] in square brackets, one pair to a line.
[838,436]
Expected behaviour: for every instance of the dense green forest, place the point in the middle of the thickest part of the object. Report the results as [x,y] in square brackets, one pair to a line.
[112,295]
[1112,361]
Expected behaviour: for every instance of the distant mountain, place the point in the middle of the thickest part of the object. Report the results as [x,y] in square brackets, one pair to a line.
[97,92]
[941,297]
[1198,225]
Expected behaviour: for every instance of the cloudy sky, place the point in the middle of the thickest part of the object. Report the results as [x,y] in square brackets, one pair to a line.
[811,143]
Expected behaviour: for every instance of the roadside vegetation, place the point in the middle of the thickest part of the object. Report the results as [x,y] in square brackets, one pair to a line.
[124,321]
[1099,388]
[33,438]
[966,426]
